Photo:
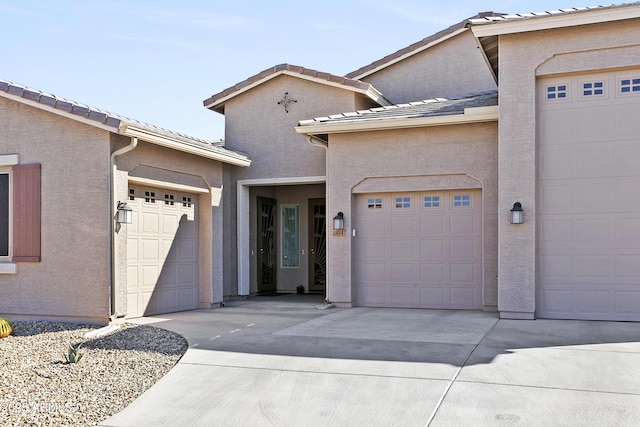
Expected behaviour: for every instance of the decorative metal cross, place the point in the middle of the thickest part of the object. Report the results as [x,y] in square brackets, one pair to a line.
[285,101]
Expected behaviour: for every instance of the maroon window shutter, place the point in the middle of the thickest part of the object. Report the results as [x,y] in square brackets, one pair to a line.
[26,213]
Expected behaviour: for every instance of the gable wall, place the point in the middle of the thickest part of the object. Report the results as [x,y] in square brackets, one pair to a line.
[521,55]
[73,275]
[453,67]
[256,125]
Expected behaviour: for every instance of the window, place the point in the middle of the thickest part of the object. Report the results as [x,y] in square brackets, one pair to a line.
[132,194]
[374,203]
[149,196]
[4,214]
[403,202]
[628,86]
[556,92]
[169,199]
[462,200]
[595,88]
[431,201]
[290,236]
[186,202]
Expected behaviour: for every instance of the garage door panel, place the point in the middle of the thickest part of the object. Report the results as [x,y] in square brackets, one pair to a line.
[374,249]
[405,249]
[431,247]
[433,273]
[404,225]
[433,297]
[150,223]
[162,253]
[403,296]
[432,225]
[588,238]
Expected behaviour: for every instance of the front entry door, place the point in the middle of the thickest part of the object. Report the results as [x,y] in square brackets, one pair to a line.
[318,244]
[266,245]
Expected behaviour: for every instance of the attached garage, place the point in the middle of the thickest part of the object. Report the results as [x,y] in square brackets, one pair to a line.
[162,252]
[419,249]
[588,240]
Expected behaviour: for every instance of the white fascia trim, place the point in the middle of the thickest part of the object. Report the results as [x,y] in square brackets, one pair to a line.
[409,54]
[371,92]
[471,115]
[176,144]
[9,159]
[167,185]
[556,21]
[58,111]
[8,268]
[261,182]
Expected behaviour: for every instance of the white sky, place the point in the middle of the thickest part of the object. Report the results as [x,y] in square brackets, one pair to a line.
[156,61]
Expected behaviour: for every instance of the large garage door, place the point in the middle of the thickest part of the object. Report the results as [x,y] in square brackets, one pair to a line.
[162,252]
[419,250]
[589,197]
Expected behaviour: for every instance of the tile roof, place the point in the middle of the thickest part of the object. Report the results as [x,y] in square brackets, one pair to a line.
[482,20]
[218,98]
[103,118]
[416,47]
[427,108]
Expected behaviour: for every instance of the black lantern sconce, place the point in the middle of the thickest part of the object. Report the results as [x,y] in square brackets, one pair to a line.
[517,214]
[125,214]
[338,221]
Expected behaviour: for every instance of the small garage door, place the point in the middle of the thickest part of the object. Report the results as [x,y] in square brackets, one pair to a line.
[589,197]
[162,252]
[419,250]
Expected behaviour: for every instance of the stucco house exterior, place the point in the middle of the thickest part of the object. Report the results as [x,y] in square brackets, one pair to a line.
[425,153]
[65,168]
[421,158]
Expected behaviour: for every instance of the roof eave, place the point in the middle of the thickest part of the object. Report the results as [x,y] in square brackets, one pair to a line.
[470,115]
[221,155]
[368,91]
[594,16]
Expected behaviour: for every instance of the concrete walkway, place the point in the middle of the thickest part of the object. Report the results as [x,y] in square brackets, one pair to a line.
[279,361]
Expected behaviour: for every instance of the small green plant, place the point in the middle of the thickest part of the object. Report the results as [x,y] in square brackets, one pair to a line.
[73,353]
[6,328]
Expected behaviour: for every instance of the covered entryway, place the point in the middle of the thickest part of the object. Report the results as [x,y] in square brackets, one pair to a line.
[162,252]
[588,239]
[419,249]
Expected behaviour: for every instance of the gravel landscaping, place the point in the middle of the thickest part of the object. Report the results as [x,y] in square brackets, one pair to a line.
[39,388]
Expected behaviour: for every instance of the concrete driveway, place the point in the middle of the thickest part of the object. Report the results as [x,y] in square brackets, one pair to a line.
[279,361]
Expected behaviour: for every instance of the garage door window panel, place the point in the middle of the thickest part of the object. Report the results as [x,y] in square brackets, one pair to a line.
[431,202]
[630,86]
[403,202]
[375,203]
[462,201]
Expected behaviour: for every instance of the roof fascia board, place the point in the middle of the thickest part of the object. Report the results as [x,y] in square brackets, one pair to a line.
[370,92]
[556,21]
[409,54]
[471,115]
[58,112]
[164,141]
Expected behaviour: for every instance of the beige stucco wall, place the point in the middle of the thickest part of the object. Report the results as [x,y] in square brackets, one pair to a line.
[256,125]
[169,166]
[522,56]
[72,280]
[415,155]
[453,67]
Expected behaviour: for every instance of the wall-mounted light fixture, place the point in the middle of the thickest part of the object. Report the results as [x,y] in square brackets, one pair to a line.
[338,221]
[517,214]
[125,214]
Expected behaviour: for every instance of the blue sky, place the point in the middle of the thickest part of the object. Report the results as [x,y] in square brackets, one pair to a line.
[156,61]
